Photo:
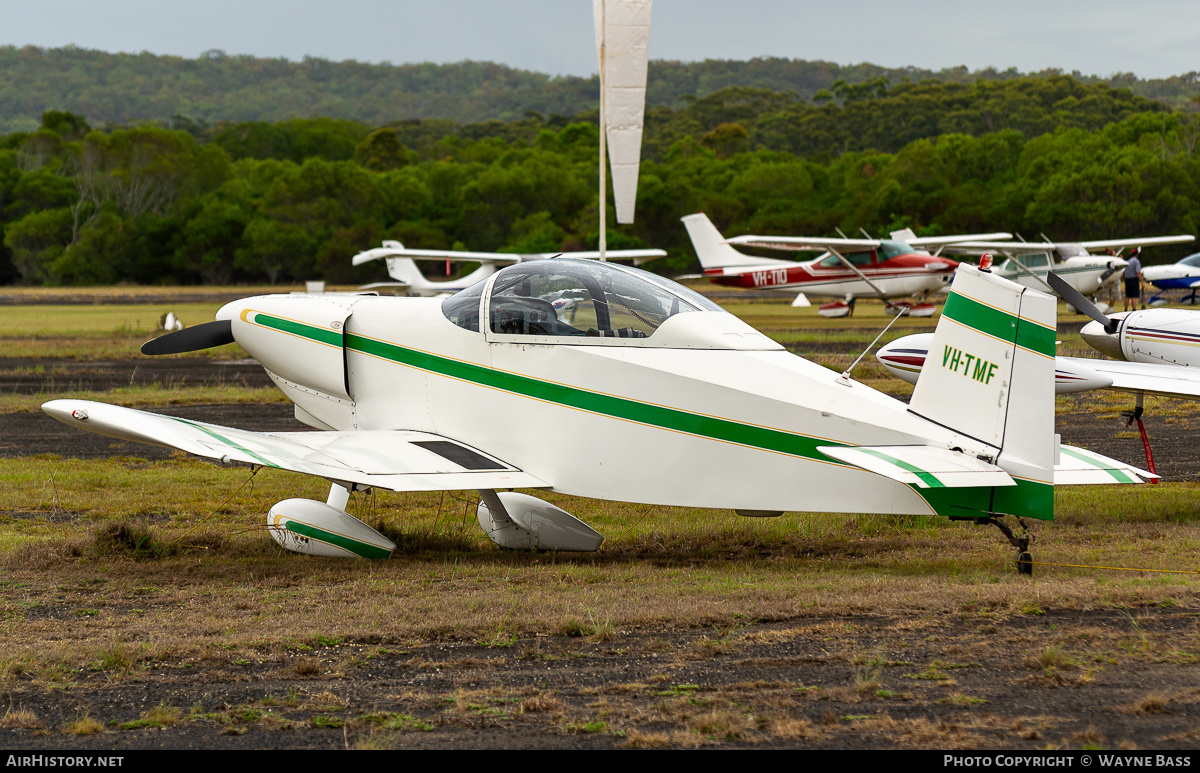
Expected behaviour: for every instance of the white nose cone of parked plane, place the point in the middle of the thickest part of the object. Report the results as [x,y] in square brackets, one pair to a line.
[1094,334]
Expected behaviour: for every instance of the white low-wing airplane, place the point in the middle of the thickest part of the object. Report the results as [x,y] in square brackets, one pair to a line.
[1182,275]
[664,399]
[905,357]
[1154,351]
[402,267]
[1029,262]
[849,269]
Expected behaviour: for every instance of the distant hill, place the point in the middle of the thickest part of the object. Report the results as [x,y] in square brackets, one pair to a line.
[134,88]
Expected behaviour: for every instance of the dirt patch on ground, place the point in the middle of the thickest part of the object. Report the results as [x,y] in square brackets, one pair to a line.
[49,376]
[29,434]
[1055,679]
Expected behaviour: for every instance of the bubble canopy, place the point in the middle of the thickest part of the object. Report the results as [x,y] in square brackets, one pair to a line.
[566,298]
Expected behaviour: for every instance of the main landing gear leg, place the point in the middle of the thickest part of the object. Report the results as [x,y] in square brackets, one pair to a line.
[1021,543]
[1136,415]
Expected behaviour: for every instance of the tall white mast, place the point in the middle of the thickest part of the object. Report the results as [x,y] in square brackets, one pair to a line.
[603,139]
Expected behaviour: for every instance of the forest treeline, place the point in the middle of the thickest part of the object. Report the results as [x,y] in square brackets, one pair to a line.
[295,199]
[108,88]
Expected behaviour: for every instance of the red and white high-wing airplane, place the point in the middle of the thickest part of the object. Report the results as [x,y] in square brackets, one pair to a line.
[849,269]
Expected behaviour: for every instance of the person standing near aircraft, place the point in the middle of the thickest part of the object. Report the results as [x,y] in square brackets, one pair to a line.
[1133,280]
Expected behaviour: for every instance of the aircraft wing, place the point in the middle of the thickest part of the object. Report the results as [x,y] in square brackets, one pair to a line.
[1005,248]
[922,466]
[1138,242]
[399,460]
[941,241]
[805,243]
[639,256]
[1160,379]
[1026,248]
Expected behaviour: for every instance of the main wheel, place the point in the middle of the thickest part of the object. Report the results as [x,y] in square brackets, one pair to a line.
[1025,563]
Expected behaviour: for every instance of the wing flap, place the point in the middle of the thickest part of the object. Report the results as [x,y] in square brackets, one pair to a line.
[1081,467]
[922,466]
[400,460]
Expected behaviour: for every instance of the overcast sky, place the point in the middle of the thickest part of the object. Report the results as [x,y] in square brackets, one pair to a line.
[1151,38]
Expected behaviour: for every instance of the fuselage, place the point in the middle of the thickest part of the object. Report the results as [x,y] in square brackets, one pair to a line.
[1168,336]
[1086,273]
[701,410]
[896,273]
[1184,275]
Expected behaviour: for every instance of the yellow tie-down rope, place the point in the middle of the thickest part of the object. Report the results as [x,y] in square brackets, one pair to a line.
[1117,568]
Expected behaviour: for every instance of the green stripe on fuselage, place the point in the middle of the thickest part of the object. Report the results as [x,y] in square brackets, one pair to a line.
[594,402]
[311,332]
[958,501]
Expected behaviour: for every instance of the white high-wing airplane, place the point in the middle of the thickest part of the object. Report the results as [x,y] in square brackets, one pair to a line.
[849,269]
[402,267]
[1029,262]
[667,399]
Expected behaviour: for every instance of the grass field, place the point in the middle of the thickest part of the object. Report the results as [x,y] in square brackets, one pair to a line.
[154,585]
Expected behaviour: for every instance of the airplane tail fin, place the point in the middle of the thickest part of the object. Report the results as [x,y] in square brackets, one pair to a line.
[405,270]
[989,376]
[711,248]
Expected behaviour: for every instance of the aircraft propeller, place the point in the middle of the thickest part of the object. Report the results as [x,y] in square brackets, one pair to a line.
[1078,301]
[1112,269]
[192,339]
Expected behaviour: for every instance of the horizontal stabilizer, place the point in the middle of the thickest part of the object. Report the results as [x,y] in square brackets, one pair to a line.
[922,466]
[399,460]
[1080,467]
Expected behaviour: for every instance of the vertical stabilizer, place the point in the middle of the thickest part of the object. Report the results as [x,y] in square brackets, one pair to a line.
[712,250]
[405,270]
[990,377]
